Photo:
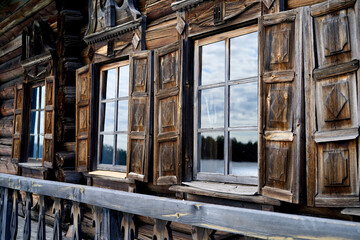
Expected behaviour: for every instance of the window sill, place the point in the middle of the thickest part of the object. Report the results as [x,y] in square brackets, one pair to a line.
[224,190]
[112,176]
[33,166]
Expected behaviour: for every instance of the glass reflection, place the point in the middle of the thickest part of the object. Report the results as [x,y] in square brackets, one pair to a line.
[109,117]
[109,83]
[213,63]
[35,92]
[243,153]
[107,149]
[34,122]
[122,115]
[121,149]
[32,146]
[212,152]
[41,122]
[42,99]
[244,56]
[212,108]
[124,81]
[41,141]
[243,104]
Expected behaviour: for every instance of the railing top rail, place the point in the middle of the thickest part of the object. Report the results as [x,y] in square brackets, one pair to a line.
[248,222]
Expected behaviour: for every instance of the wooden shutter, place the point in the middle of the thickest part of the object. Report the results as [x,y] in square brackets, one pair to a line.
[139,128]
[49,121]
[281,106]
[168,114]
[83,117]
[18,124]
[332,103]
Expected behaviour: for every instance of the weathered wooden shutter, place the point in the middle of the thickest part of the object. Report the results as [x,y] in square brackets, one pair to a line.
[49,121]
[168,114]
[332,103]
[140,110]
[83,117]
[17,127]
[281,106]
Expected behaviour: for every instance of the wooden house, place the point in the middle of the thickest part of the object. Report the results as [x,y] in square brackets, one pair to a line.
[243,103]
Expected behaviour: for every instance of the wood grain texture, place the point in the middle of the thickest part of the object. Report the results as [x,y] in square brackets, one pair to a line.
[255,223]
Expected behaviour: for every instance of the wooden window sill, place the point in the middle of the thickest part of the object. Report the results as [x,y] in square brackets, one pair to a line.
[33,166]
[111,176]
[224,190]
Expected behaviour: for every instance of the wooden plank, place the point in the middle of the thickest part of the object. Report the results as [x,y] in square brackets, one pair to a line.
[224,187]
[254,223]
[351,211]
[330,6]
[296,3]
[11,46]
[321,73]
[338,135]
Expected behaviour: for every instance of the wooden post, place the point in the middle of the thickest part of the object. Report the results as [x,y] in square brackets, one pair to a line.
[14,215]
[128,227]
[27,226]
[202,233]
[41,233]
[57,231]
[76,215]
[162,230]
[6,214]
[97,221]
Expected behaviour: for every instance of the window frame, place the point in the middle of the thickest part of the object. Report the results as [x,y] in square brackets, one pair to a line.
[38,84]
[111,167]
[207,176]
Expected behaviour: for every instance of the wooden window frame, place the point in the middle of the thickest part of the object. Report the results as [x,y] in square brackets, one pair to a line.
[205,176]
[111,167]
[32,86]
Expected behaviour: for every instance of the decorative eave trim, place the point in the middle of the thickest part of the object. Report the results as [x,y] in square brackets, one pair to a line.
[113,32]
[36,60]
[185,4]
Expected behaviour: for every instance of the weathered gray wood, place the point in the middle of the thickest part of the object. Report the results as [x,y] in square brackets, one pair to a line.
[162,230]
[321,73]
[330,6]
[14,215]
[7,206]
[97,221]
[128,227]
[253,222]
[57,230]
[27,225]
[202,233]
[76,216]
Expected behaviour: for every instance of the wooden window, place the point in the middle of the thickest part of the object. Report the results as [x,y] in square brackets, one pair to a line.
[226,107]
[113,116]
[36,129]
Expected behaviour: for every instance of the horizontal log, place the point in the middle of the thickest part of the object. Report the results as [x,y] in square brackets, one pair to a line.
[248,222]
[6,141]
[65,159]
[69,176]
[6,126]
[7,93]
[5,150]
[7,107]
[69,146]
[7,166]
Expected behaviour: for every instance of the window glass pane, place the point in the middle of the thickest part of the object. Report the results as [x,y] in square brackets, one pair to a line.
[34,122]
[121,149]
[212,108]
[213,63]
[33,146]
[122,115]
[243,153]
[212,152]
[244,56]
[106,149]
[109,83]
[42,100]
[41,122]
[243,104]
[35,98]
[108,118]
[41,140]
[124,81]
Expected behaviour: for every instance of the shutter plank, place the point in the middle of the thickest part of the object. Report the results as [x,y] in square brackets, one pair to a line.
[333,104]
[140,109]
[281,102]
[16,149]
[168,114]
[49,121]
[83,118]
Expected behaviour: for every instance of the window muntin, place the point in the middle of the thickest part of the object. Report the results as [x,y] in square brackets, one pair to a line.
[113,116]
[226,105]
[36,134]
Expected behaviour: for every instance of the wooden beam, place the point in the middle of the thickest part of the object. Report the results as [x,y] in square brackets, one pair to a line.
[11,46]
[242,221]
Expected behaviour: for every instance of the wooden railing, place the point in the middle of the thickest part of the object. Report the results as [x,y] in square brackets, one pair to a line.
[204,218]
